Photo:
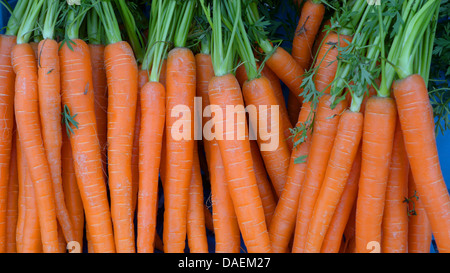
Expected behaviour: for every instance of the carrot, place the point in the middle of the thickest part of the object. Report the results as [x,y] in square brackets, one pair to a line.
[268,198]
[32,231]
[258,92]
[419,228]
[226,229]
[150,147]
[76,79]
[325,129]
[416,116]
[209,222]
[50,114]
[395,218]
[341,159]
[305,34]
[333,237]
[13,204]
[283,221]
[6,126]
[21,213]
[293,107]
[196,231]
[349,232]
[378,134]
[321,36]
[72,195]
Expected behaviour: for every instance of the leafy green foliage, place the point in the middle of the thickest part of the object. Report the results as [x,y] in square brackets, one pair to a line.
[68,120]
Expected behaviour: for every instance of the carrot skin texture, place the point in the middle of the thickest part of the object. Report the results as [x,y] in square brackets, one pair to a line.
[32,232]
[417,124]
[49,90]
[325,129]
[7,77]
[21,214]
[238,163]
[333,237]
[259,93]
[305,34]
[180,90]
[378,136]
[29,128]
[342,156]
[12,208]
[76,79]
[419,228]
[150,145]
[395,217]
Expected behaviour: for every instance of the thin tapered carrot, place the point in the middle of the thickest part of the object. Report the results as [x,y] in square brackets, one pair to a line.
[259,93]
[29,129]
[305,34]
[142,80]
[77,94]
[325,129]
[50,113]
[294,107]
[7,77]
[419,228]
[417,124]
[333,237]
[340,163]
[236,155]
[180,88]
[209,223]
[152,103]
[61,240]
[378,135]
[225,226]
[265,188]
[72,195]
[100,97]
[283,221]
[196,230]
[395,217]
[21,175]
[327,62]
[122,78]
[12,207]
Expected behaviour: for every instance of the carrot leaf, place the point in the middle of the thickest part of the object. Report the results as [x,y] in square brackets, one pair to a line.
[68,120]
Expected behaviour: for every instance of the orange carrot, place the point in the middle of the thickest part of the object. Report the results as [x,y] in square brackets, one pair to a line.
[12,205]
[32,231]
[7,77]
[320,36]
[209,222]
[325,129]
[283,221]
[21,213]
[341,159]
[78,96]
[419,228]
[150,146]
[294,107]
[416,116]
[333,237]
[395,218]
[378,135]
[310,20]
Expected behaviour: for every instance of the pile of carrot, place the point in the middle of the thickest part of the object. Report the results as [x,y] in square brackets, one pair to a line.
[109,126]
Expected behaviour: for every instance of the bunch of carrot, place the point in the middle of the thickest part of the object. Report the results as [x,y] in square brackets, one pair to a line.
[101,127]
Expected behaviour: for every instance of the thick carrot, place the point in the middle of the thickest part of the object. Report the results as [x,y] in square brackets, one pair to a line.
[305,34]
[152,98]
[49,90]
[29,128]
[283,221]
[395,217]
[268,197]
[378,135]
[196,231]
[180,88]
[416,116]
[274,150]
[72,195]
[333,237]
[325,129]
[419,228]
[122,78]
[327,60]
[7,77]
[236,154]
[342,156]
[12,207]
[100,97]
[226,229]
[77,94]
